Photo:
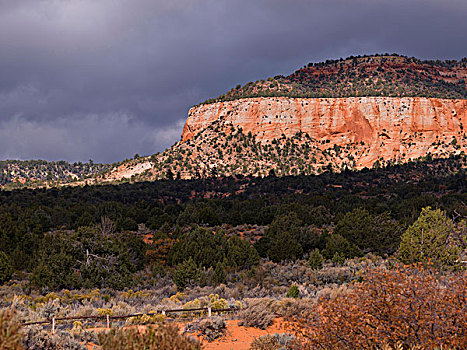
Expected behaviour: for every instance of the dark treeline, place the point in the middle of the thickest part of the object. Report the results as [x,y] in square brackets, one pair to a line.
[60,237]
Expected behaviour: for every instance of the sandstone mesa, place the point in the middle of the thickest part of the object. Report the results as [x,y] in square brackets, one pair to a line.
[384,124]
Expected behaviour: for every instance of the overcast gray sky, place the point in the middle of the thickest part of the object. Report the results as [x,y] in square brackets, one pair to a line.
[105,79]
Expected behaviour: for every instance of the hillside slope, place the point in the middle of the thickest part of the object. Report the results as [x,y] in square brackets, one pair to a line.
[38,173]
[350,113]
[308,136]
[377,75]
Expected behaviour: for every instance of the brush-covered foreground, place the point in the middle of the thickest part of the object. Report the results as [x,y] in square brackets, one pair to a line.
[389,306]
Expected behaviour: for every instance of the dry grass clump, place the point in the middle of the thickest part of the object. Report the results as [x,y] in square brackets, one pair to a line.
[333,291]
[36,338]
[210,328]
[258,313]
[162,337]
[293,308]
[277,341]
[334,275]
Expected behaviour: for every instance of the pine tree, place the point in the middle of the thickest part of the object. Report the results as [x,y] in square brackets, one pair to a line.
[315,261]
[430,239]
[186,274]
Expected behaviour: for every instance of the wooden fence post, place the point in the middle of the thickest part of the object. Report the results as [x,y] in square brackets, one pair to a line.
[108,321]
[209,311]
[53,325]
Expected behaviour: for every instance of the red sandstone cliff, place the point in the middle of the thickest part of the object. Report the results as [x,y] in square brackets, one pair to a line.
[384,124]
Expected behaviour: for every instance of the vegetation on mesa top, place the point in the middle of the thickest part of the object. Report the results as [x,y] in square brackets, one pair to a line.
[375,75]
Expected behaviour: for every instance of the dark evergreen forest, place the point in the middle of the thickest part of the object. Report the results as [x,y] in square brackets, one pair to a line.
[92,236]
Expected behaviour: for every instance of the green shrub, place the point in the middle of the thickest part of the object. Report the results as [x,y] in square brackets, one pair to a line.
[219,274]
[87,259]
[127,224]
[335,243]
[163,337]
[281,240]
[210,250]
[6,270]
[430,238]
[293,292]
[186,274]
[315,261]
[379,234]
[338,259]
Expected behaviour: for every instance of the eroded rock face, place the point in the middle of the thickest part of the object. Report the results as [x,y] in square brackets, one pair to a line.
[384,124]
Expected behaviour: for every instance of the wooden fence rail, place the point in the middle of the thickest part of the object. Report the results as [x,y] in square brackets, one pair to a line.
[108,318]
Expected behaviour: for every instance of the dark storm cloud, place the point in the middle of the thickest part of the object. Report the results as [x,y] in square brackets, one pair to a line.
[105,79]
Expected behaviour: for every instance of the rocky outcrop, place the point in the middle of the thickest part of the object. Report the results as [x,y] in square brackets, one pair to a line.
[383,124]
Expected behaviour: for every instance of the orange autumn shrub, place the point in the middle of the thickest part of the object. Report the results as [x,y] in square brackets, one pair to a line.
[159,251]
[10,331]
[405,307]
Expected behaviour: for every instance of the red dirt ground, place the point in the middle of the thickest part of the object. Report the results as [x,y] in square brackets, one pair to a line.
[236,337]
[239,337]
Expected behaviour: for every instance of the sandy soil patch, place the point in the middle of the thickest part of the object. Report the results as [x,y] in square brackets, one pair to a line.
[236,337]
[239,337]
